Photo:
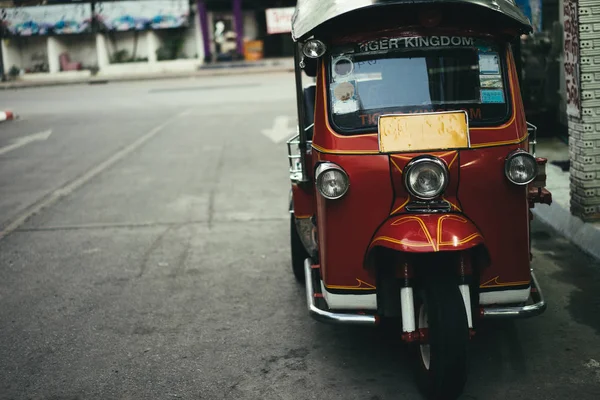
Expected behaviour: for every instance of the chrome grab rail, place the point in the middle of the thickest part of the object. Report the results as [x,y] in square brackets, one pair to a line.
[532,130]
[327,316]
[294,156]
[531,310]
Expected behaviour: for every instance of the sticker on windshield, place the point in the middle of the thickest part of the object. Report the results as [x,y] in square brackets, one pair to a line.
[489,63]
[490,81]
[342,67]
[344,91]
[345,98]
[492,96]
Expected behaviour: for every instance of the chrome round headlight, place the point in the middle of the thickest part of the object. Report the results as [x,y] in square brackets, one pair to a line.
[332,181]
[520,167]
[426,177]
[314,48]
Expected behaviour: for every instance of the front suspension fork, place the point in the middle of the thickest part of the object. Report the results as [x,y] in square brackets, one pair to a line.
[410,332]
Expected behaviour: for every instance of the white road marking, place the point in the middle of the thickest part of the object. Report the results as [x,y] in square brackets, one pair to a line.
[69,188]
[26,140]
[281,129]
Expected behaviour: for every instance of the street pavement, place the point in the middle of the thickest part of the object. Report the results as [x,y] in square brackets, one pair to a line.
[145,255]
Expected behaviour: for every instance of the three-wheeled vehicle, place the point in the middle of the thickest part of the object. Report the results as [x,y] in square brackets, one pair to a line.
[414,172]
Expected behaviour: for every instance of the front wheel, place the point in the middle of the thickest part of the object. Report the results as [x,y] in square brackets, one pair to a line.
[299,253]
[442,361]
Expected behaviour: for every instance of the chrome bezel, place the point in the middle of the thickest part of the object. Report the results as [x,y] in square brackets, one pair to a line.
[337,60]
[305,52]
[514,154]
[324,167]
[421,160]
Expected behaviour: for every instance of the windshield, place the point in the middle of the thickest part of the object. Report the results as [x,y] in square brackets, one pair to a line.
[416,74]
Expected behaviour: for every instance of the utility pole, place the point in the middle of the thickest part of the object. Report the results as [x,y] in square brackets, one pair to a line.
[2,74]
[238,17]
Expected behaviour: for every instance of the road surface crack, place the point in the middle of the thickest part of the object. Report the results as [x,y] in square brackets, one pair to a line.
[214,187]
[157,242]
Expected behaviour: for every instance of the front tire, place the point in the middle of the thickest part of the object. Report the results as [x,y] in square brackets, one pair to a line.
[299,253]
[442,362]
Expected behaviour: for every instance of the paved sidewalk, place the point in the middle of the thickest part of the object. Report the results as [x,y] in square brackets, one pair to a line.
[585,235]
[216,69]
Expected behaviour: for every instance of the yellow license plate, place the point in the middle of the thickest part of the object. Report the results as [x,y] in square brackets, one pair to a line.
[423,132]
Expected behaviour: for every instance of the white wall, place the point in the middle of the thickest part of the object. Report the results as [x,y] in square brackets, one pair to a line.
[250,25]
[102,51]
[81,48]
[125,41]
[197,30]
[190,45]
[55,47]
[97,50]
[12,55]
[24,52]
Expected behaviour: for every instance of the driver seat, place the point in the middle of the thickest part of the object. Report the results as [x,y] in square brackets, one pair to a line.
[310,93]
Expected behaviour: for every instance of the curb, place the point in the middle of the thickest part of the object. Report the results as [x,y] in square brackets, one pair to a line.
[583,235]
[6,116]
[202,72]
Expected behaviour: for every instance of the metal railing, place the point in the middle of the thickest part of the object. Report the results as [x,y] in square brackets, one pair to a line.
[295,156]
[532,135]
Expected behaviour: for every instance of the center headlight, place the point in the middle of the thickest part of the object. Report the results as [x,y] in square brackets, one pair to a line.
[426,177]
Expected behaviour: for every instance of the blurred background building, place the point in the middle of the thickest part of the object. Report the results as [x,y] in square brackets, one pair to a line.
[121,37]
[65,38]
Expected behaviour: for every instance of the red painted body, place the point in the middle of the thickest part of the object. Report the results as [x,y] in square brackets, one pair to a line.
[304,201]
[487,209]
[426,233]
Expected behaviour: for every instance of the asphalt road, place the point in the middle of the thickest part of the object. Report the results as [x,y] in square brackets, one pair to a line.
[145,256]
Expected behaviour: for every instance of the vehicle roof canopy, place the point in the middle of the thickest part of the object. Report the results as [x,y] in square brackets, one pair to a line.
[312,14]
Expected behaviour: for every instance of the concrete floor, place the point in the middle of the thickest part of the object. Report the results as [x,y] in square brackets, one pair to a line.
[146,256]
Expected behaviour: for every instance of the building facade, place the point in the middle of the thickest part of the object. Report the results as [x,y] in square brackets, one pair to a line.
[117,37]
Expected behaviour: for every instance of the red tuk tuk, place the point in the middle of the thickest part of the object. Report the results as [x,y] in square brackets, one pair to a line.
[414,172]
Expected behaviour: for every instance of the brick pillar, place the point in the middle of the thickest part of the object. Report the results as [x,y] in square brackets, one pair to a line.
[582,74]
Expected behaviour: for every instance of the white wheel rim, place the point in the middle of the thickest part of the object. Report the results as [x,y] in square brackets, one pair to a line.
[425,350]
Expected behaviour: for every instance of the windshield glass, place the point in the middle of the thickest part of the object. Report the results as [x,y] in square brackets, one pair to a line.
[416,74]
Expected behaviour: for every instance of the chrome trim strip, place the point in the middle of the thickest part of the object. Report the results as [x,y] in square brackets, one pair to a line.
[326,316]
[426,207]
[531,310]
